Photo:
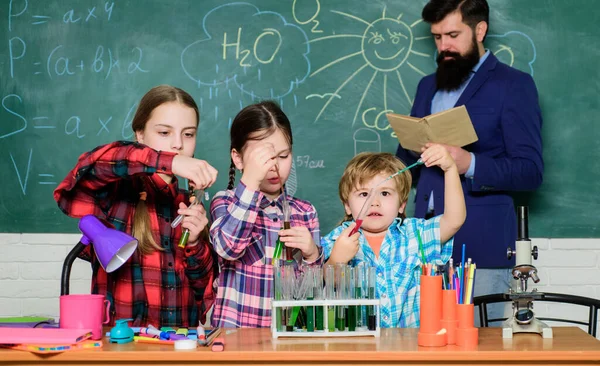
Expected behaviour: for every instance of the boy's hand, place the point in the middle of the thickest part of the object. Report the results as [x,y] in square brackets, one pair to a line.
[345,246]
[199,172]
[195,220]
[300,237]
[258,160]
[438,154]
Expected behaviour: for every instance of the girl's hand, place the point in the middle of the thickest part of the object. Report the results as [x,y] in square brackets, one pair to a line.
[195,220]
[437,154]
[258,160]
[197,171]
[345,246]
[300,237]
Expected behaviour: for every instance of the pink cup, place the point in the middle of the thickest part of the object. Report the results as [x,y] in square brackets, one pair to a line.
[84,312]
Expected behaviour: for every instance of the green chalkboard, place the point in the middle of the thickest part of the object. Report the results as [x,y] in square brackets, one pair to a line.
[73,71]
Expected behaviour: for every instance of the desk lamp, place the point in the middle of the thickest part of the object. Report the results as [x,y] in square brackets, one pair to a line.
[112,247]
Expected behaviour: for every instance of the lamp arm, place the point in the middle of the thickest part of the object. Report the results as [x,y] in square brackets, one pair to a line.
[66,269]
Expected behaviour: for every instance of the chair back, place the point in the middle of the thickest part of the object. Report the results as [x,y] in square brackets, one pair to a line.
[592,304]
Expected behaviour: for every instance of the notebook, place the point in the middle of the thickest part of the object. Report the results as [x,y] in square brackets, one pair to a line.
[58,348]
[451,127]
[28,322]
[43,335]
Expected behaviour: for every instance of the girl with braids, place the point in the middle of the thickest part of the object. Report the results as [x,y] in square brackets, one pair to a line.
[248,218]
[132,186]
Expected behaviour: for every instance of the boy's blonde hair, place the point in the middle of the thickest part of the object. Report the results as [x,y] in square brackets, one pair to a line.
[365,166]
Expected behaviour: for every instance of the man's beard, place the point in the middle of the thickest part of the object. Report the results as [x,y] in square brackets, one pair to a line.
[453,72]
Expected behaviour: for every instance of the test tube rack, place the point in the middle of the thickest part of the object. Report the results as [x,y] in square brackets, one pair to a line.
[325,332]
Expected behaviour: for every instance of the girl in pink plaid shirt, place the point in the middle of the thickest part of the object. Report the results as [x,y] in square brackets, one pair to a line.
[247,219]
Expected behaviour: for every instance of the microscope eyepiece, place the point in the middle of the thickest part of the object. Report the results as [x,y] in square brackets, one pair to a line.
[522,223]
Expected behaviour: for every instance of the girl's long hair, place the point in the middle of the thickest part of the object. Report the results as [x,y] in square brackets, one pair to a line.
[142,229]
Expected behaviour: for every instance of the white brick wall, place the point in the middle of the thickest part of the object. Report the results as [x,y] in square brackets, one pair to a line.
[30,266]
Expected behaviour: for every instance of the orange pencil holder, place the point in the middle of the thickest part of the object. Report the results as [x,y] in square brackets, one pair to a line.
[466,333]
[431,332]
[449,318]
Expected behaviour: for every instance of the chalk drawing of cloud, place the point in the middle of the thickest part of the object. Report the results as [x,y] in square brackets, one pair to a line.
[258,52]
[514,48]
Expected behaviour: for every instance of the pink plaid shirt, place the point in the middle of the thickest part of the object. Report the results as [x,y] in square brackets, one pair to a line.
[244,233]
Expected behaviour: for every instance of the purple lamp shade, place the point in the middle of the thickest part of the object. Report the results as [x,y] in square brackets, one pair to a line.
[112,247]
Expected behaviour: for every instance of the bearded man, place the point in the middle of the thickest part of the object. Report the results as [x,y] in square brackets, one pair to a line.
[503,105]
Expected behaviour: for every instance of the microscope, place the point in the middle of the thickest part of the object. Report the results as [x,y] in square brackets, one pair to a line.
[523,319]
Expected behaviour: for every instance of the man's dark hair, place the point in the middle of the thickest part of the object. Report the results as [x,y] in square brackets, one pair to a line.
[473,11]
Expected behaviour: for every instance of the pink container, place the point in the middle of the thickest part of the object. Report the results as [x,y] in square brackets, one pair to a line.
[84,312]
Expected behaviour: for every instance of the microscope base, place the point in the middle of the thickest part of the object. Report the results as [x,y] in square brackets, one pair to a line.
[510,327]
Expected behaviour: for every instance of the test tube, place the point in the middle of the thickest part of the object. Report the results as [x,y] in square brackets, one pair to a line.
[330,293]
[318,294]
[278,296]
[310,295]
[340,288]
[358,294]
[349,291]
[287,212]
[371,283]
[351,271]
[280,246]
[288,290]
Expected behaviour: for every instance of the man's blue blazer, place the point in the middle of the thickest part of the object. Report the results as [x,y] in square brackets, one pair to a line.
[503,105]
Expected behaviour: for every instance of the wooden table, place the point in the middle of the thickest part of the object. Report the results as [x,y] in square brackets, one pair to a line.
[570,346]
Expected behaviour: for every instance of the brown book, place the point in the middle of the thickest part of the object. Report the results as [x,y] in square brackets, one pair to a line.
[451,127]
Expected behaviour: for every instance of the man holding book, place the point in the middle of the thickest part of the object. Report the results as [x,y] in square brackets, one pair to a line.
[502,103]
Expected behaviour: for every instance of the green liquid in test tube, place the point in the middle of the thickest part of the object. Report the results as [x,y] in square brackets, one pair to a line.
[340,288]
[371,316]
[318,292]
[310,315]
[331,318]
[341,318]
[358,294]
[319,318]
[330,294]
[288,278]
[351,272]
[278,310]
[310,295]
[279,246]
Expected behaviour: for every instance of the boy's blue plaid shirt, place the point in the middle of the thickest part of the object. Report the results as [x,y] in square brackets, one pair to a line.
[398,265]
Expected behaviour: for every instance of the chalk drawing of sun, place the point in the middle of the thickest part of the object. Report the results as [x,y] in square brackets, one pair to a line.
[386,47]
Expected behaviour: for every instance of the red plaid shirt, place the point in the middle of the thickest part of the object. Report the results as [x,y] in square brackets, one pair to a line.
[172,287]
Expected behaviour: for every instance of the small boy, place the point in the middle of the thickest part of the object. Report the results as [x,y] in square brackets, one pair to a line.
[387,239]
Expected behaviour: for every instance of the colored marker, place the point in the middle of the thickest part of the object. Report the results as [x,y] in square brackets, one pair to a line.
[201,333]
[155,332]
[140,339]
[218,345]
